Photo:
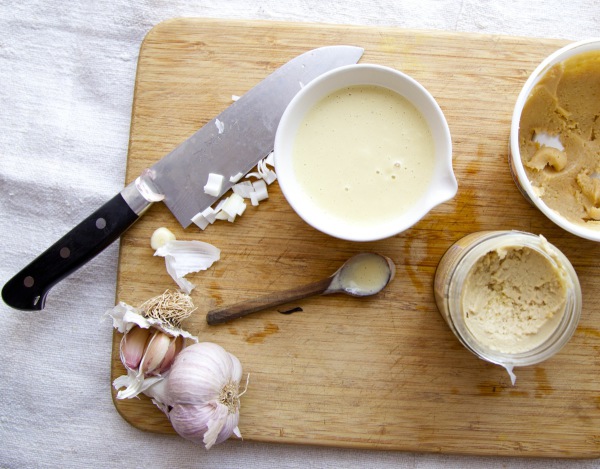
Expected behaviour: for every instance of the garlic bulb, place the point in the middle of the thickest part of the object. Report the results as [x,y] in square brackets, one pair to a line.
[201,394]
[197,387]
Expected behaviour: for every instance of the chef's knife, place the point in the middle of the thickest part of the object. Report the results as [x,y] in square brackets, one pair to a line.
[231,143]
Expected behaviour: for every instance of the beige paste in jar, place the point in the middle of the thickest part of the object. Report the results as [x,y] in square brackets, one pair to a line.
[513,299]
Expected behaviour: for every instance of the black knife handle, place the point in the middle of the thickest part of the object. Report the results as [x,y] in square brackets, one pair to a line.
[28,289]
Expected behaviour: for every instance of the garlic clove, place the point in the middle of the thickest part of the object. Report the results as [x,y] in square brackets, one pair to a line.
[229,427]
[175,346]
[217,428]
[156,351]
[130,322]
[190,421]
[132,347]
[208,424]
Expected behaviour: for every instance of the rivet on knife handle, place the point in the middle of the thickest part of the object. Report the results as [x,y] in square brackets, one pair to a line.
[28,289]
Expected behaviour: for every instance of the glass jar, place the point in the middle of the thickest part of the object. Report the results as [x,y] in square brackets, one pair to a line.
[450,288]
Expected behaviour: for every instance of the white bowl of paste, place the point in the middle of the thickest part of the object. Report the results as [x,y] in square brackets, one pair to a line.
[559,191]
[363,153]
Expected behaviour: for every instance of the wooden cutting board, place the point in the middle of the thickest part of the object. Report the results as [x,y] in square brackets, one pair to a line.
[385,372]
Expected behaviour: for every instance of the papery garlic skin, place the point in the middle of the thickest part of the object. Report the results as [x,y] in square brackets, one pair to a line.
[125,317]
[202,394]
[184,257]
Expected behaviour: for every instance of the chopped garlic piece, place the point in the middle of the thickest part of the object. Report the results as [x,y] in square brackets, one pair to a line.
[200,221]
[144,183]
[220,126]
[270,177]
[204,218]
[234,97]
[222,215]
[209,214]
[220,205]
[236,178]
[235,205]
[263,171]
[260,187]
[243,189]
[184,257]
[160,237]
[228,208]
[214,184]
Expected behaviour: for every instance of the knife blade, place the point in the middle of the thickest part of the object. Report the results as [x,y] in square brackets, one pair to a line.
[232,142]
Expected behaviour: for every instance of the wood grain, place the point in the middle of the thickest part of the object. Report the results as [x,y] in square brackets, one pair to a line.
[382,372]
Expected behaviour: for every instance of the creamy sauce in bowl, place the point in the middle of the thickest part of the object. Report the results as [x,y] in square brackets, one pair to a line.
[364,154]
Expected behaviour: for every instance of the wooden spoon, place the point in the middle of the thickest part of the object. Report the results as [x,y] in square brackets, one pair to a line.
[364,274]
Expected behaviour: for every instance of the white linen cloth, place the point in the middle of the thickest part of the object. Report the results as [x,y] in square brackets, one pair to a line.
[67,72]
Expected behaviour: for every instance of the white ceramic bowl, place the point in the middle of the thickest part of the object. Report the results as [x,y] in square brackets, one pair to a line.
[516,165]
[442,187]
